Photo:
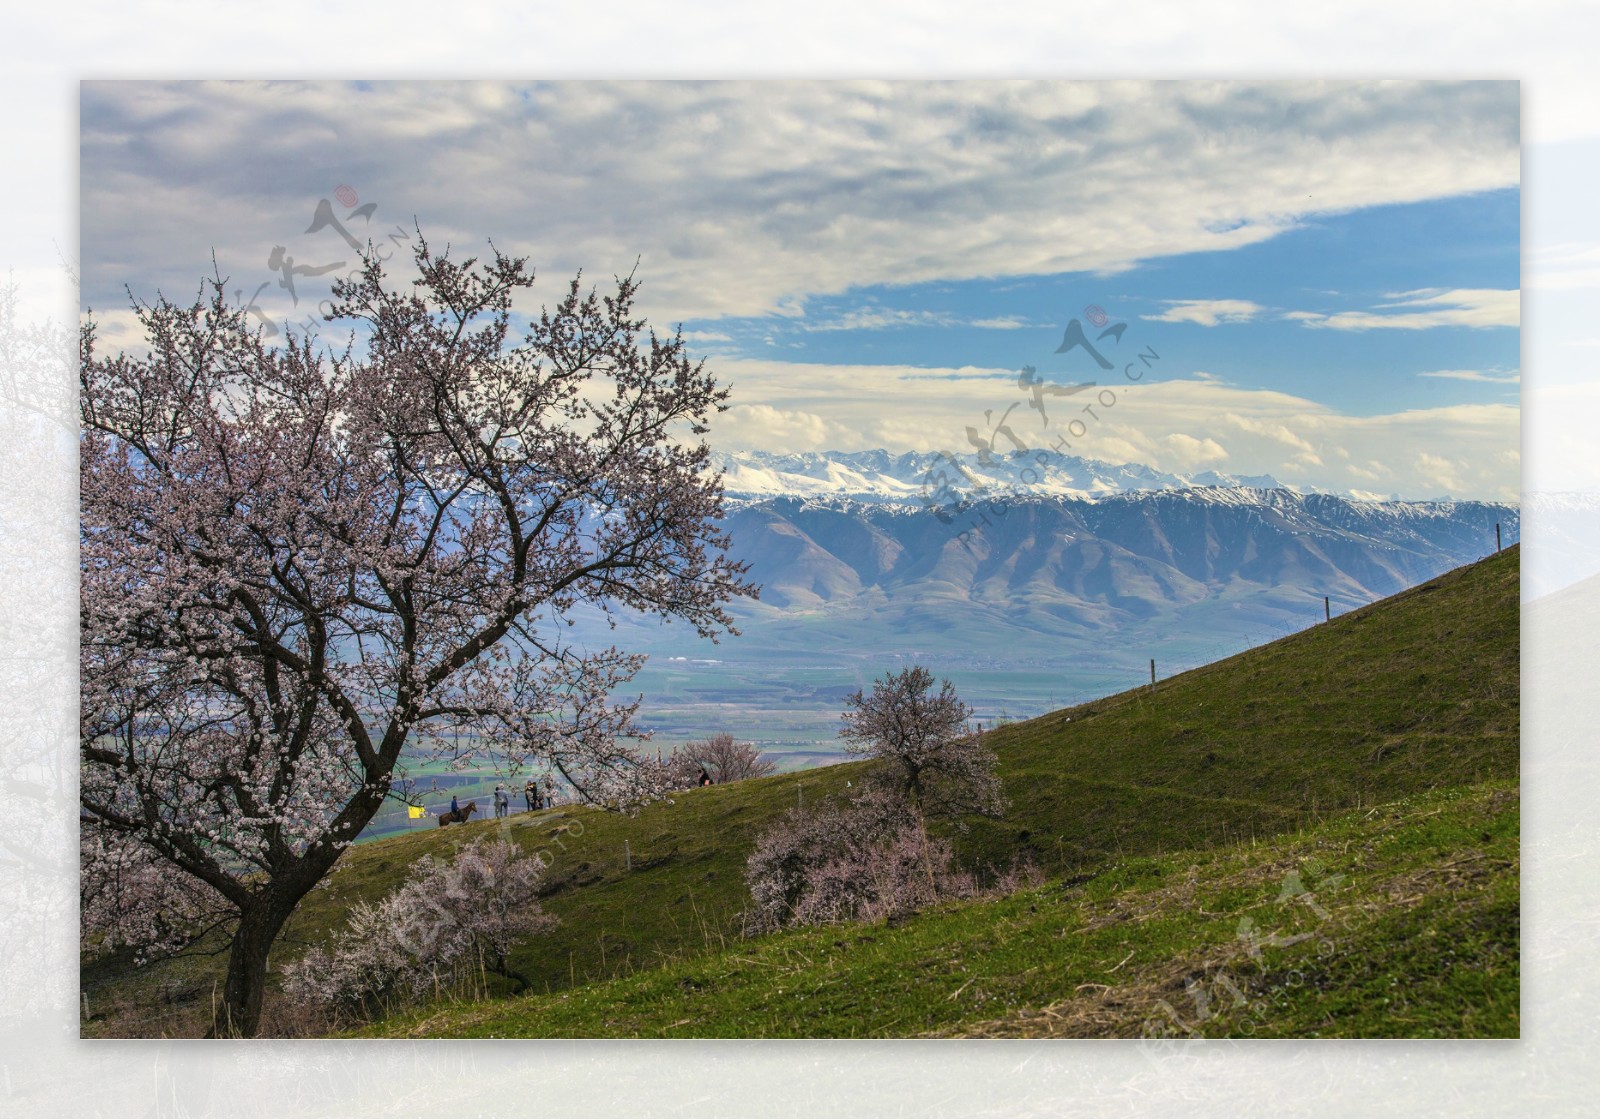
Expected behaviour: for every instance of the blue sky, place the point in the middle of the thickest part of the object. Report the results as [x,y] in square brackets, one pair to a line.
[1329,270]
[1366,260]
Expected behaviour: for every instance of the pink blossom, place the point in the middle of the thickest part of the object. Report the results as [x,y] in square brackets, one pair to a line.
[298,564]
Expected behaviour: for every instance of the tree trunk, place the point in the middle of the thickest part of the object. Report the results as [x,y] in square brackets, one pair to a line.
[239,1013]
[502,967]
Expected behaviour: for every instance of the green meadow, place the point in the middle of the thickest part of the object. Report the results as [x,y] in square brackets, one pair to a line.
[1317,836]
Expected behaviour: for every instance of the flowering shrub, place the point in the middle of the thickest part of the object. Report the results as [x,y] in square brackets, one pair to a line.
[727,760]
[721,757]
[434,933]
[869,859]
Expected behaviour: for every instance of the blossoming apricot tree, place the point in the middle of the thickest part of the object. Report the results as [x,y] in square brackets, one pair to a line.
[921,738]
[298,563]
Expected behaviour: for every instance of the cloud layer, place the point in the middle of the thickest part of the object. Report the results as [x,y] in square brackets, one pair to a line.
[744,198]
[1191,423]
[1422,310]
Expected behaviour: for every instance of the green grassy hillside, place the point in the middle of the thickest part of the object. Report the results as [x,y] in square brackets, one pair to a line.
[1415,693]
[1396,921]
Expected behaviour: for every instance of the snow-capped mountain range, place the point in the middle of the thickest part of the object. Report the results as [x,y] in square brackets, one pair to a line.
[1034,579]
[1124,556]
[930,477]
[1076,537]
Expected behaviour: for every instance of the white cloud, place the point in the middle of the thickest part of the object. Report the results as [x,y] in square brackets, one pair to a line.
[1193,453]
[879,318]
[764,427]
[1459,307]
[1491,377]
[118,328]
[741,198]
[1207,312]
[1273,430]
[1306,443]
[874,318]
[1443,473]
[1182,425]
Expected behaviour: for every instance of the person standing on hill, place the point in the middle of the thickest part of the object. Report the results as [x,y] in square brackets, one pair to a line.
[705,779]
[502,802]
[530,795]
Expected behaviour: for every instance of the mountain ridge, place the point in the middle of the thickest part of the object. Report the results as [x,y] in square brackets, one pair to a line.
[1024,600]
[941,478]
[1192,542]
[930,477]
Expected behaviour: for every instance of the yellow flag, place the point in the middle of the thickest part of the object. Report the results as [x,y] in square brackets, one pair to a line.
[416,811]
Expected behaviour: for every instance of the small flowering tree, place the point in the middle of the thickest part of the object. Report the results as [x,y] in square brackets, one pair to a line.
[296,564]
[929,753]
[726,759]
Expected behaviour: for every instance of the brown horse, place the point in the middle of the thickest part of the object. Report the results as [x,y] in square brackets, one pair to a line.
[459,816]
